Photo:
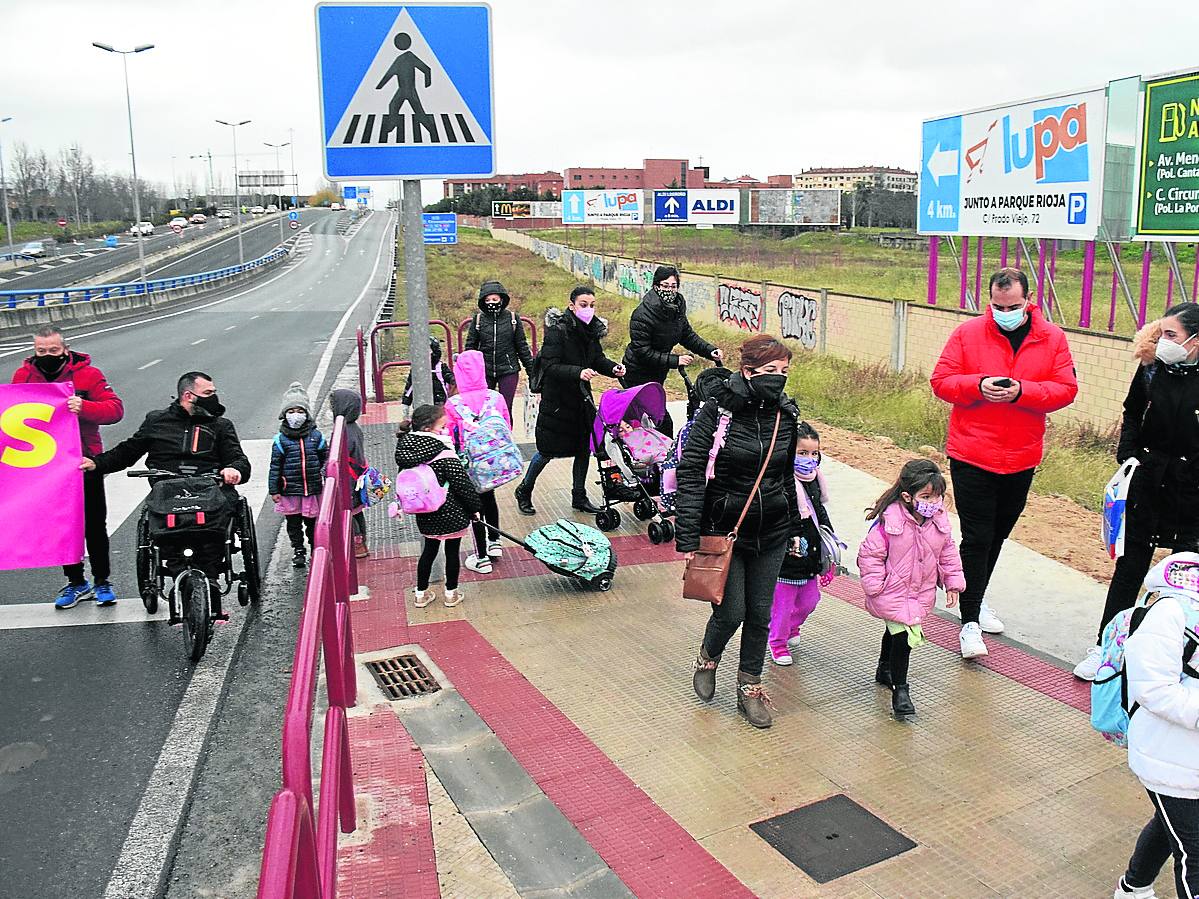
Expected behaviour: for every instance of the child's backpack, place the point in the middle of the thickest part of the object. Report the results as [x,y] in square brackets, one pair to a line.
[493,456]
[1115,504]
[674,455]
[418,490]
[371,486]
[1110,711]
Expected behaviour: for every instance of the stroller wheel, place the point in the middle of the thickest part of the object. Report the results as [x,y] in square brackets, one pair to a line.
[607,519]
[644,509]
[667,531]
[655,533]
[603,583]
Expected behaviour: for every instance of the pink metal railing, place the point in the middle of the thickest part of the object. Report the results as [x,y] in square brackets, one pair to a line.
[299,859]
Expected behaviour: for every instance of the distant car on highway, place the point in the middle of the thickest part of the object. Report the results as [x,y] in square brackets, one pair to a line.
[180,221]
[224,213]
[33,248]
[256,210]
[142,229]
[198,218]
[336,207]
[272,208]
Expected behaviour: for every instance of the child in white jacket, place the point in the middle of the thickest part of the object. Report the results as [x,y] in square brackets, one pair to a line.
[1161,661]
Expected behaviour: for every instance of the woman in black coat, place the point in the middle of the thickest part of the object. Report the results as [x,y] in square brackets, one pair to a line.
[497,332]
[1161,429]
[656,327]
[570,357]
[751,402]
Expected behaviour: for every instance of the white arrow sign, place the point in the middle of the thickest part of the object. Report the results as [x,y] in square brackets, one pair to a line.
[672,205]
[942,163]
[574,203]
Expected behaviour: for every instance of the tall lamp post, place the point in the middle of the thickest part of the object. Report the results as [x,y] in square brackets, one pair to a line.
[211,181]
[137,203]
[4,190]
[241,251]
[76,156]
[295,179]
[277,148]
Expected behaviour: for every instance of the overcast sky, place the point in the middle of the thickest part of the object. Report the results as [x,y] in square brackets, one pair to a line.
[755,87]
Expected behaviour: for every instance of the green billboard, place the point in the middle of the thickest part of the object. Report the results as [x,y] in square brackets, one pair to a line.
[1168,168]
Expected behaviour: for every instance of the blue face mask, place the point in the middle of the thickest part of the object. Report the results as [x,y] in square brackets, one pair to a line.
[806,465]
[1011,320]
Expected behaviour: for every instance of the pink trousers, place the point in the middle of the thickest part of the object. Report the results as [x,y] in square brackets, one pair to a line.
[793,603]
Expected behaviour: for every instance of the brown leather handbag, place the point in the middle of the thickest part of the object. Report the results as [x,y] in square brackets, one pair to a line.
[707,571]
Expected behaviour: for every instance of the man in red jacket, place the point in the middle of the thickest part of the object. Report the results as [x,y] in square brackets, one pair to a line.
[1003,372]
[95,403]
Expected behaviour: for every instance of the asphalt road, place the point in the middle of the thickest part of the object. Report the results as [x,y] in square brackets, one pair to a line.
[88,696]
[76,264]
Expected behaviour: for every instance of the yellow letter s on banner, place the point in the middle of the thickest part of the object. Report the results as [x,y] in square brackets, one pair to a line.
[13,425]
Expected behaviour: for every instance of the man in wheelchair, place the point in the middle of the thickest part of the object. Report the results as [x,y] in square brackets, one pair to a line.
[190,438]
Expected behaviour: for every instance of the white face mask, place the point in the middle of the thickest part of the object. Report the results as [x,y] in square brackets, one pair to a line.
[295,420]
[1170,353]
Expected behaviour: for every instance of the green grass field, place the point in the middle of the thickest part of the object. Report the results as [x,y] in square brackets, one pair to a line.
[853,262]
[867,399]
[25,231]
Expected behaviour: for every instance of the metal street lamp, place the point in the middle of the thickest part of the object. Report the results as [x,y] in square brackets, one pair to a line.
[241,251]
[211,181]
[277,148]
[137,203]
[4,190]
[78,161]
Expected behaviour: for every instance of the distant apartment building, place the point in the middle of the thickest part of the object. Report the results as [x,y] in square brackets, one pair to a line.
[848,179]
[654,173]
[749,181]
[539,183]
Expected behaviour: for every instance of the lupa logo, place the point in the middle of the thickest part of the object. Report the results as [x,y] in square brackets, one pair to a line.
[1055,144]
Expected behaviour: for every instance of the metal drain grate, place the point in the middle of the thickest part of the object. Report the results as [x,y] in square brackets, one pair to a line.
[403,676]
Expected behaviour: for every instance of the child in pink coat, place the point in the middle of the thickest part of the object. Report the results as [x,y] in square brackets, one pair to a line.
[907,554]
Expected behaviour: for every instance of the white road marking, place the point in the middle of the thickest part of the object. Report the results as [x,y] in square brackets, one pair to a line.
[252,317]
[148,364]
[198,342]
[231,327]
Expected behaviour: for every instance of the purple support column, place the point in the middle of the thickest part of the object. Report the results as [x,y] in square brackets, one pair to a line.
[1195,279]
[964,273]
[1169,287]
[1041,275]
[1111,318]
[978,273]
[1143,310]
[1088,286]
[1003,253]
[1053,262]
[934,247]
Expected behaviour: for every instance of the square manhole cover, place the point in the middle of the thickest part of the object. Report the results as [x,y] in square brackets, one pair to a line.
[831,838]
[403,676]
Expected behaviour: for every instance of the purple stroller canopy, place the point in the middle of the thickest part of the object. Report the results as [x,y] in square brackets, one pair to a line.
[618,405]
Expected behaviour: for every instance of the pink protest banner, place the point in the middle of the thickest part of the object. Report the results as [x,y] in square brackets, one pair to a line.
[41,486]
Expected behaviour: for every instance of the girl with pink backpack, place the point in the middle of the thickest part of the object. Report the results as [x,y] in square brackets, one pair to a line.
[908,552]
[433,485]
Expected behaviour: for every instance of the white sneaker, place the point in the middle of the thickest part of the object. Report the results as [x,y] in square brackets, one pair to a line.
[474,563]
[453,597]
[1089,666]
[783,658]
[971,640]
[1123,891]
[793,643]
[422,598]
[989,621]
[494,549]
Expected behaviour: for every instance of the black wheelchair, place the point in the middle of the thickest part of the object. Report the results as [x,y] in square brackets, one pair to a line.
[188,536]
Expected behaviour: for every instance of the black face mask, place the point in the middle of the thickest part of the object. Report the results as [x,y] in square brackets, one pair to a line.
[768,388]
[209,404]
[50,366]
[494,307]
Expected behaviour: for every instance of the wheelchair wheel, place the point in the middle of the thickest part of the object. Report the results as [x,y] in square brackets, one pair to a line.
[248,541]
[196,614]
[147,584]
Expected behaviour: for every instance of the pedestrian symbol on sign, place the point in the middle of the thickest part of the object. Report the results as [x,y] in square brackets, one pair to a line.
[404,72]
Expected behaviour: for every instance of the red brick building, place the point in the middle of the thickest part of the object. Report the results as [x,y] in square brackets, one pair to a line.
[654,173]
[539,183]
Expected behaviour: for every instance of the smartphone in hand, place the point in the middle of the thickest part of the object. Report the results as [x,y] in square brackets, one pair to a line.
[1003,382]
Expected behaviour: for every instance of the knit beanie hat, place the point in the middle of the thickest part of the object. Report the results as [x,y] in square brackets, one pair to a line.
[295,397]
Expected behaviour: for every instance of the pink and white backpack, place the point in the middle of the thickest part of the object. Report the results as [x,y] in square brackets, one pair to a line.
[418,489]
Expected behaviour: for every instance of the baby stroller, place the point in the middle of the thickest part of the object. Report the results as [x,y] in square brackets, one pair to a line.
[700,391]
[629,451]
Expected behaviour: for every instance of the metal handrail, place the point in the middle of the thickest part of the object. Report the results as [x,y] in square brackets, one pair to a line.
[299,859]
[11,299]
[377,369]
[525,320]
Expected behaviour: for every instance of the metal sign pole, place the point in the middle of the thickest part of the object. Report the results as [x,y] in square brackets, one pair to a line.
[416,295]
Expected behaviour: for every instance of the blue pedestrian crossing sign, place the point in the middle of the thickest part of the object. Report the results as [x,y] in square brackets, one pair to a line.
[440,227]
[670,206]
[405,90]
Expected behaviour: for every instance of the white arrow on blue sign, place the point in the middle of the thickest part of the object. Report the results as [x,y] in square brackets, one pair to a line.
[293,215]
[405,90]
[670,206]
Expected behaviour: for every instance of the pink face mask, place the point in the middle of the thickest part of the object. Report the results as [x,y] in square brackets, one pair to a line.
[585,314]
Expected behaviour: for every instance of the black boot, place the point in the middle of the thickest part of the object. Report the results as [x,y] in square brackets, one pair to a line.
[580,503]
[299,558]
[901,701]
[882,675]
[524,500]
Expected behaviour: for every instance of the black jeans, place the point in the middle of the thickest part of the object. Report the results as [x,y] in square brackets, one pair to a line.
[297,528]
[578,472]
[988,505]
[95,532]
[360,523]
[1173,830]
[748,596]
[895,655]
[491,515]
[424,565]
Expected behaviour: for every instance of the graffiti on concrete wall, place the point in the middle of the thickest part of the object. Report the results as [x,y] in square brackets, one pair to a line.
[799,318]
[698,293]
[739,304]
[597,269]
[634,279]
